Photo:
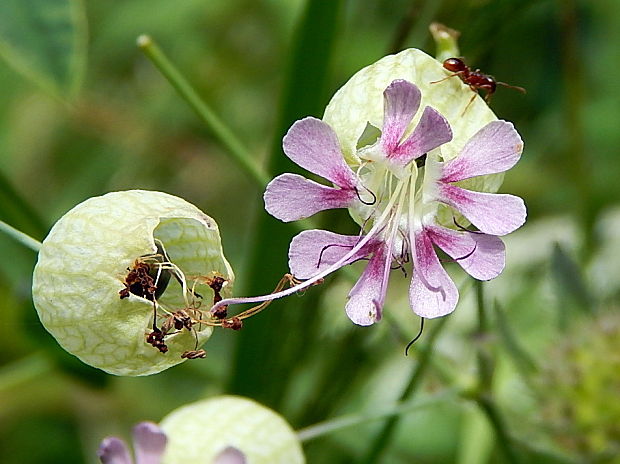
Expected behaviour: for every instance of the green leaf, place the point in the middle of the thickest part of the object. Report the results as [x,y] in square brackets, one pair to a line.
[45,40]
[572,290]
[522,359]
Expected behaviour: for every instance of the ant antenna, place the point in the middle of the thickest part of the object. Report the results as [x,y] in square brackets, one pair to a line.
[516,87]
[416,337]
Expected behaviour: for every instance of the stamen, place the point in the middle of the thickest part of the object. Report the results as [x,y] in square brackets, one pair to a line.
[329,246]
[415,339]
[464,229]
[374,197]
[379,224]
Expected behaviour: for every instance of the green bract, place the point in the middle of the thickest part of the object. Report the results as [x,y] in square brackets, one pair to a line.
[197,433]
[83,265]
[360,102]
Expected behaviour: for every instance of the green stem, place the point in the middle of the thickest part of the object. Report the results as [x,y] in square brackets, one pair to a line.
[487,405]
[383,438]
[21,237]
[220,130]
[484,396]
[24,370]
[339,423]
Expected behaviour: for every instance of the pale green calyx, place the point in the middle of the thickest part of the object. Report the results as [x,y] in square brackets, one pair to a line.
[201,432]
[119,268]
[359,103]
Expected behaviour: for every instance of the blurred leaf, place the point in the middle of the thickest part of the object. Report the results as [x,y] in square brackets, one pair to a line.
[260,357]
[571,288]
[46,41]
[523,361]
[476,438]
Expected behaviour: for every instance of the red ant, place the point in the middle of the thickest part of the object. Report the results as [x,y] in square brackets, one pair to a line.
[476,80]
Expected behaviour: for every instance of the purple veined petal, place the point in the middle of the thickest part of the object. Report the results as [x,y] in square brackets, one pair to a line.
[432,292]
[482,256]
[149,442]
[432,131]
[401,101]
[492,213]
[290,197]
[313,251]
[313,145]
[230,455]
[368,294]
[495,148]
[113,451]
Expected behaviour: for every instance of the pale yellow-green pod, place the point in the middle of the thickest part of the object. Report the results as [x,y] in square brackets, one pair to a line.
[82,269]
[205,431]
[360,102]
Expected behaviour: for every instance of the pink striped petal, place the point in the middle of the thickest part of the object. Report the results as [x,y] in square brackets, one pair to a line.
[432,131]
[492,213]
[113,451]
[401,101]
[313,251]
[290,197]
[482,256]
[368,294]
[432,292]
[314,146]
[149,443]
[495,148]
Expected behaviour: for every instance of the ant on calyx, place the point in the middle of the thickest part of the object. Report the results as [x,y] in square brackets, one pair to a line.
[476,80]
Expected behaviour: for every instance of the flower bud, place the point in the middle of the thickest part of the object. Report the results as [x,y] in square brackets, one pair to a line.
[126,266]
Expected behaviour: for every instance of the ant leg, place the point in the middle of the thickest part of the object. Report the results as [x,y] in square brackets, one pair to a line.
[447,77]
[471,100]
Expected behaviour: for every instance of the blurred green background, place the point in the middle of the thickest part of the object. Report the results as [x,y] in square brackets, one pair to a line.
[551,341]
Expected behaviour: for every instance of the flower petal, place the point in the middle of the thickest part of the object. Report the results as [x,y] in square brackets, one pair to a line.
[314,146]
[492,213]
[495,148]
[290,197]
[230,455]
[401,101]
[432,131]
[482,256]
[368,294]
[312,251]
[432,292]
[113,451]
[149,443]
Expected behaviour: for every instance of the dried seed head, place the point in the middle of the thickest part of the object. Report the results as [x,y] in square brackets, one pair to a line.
[102,285]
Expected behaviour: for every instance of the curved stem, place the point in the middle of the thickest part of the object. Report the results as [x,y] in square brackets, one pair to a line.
[220,130]
[350,420]
[19,236]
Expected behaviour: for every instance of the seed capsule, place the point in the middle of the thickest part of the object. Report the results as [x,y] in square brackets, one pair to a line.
[102,283]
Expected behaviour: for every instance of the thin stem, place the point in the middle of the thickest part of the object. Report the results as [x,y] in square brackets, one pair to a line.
[484,397]
[383,438]
[21,237]
[339,423]
[220,130]
[24,370]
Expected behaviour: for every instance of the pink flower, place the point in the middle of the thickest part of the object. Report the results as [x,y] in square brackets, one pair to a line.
[394,189]
[149,446]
